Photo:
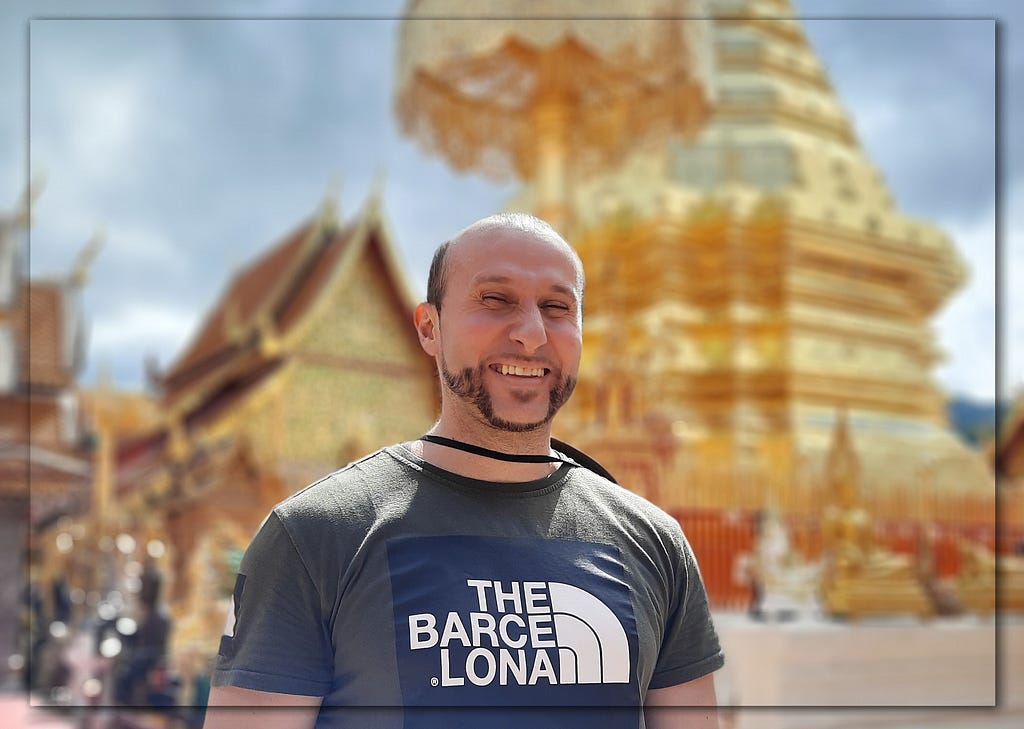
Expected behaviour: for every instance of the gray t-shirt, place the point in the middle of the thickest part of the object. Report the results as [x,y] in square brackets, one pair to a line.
[393,583]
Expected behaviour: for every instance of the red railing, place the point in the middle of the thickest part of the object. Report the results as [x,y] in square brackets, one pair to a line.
[720,538]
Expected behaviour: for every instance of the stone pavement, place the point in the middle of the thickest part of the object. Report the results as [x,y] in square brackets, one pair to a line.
[964,673]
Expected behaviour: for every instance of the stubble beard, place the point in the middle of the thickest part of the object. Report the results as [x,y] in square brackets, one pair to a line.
[468,384]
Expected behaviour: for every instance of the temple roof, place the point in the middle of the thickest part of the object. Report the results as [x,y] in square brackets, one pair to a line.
[243,298]
[243,339]
[270,296]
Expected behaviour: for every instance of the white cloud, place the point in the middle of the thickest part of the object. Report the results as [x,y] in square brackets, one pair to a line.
[107,116]
[128,245]
[878,118]
[145,245]
[967,326]
[89,122]
[143,328]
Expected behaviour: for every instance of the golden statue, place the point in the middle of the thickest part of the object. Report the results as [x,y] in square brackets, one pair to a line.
[860,576]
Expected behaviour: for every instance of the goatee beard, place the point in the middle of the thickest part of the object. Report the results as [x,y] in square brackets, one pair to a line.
[468,384]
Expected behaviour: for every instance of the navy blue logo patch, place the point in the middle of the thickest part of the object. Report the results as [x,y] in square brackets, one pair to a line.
[485,621]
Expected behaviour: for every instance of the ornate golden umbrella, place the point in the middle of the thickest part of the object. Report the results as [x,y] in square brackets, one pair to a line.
[541,90]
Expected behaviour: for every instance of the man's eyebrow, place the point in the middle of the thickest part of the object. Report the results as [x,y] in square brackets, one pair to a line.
[501,279]
[563,289]
[492,278]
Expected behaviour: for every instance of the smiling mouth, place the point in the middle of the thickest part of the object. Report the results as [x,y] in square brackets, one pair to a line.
[517,371]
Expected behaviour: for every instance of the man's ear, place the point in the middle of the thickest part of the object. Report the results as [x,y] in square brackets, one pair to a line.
[426,321]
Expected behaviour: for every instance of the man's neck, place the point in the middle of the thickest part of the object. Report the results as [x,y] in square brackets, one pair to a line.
[484,468]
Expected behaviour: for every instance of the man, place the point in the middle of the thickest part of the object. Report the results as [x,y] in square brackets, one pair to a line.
[474,577]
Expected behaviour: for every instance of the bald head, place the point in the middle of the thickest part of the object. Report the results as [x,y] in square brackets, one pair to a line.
[510,225]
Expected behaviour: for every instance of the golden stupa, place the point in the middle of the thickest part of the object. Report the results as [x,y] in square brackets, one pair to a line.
[752,283]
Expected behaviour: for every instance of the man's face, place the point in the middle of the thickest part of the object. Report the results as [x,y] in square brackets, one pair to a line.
[510,332]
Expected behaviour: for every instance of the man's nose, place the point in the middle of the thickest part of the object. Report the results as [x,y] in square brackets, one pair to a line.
[528,328]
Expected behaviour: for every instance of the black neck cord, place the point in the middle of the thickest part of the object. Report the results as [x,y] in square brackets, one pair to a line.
[579,458]
[488,453]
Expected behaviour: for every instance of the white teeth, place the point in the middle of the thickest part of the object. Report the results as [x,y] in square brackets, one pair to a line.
[522,371]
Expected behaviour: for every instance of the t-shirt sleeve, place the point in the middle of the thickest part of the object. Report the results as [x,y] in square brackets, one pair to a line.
[690,648]
[276,639]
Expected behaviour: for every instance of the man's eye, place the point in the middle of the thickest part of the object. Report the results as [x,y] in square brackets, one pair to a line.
[495,298]
[555,306]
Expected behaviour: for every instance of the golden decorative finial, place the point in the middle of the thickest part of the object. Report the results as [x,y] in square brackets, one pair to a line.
[80,270]
[23,212]
[330,212]
[376,193]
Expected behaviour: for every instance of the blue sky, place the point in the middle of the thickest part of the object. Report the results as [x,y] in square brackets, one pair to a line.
[196,143]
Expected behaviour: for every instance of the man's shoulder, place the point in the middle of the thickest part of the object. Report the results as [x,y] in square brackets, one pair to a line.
[627,504]
[348,492]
